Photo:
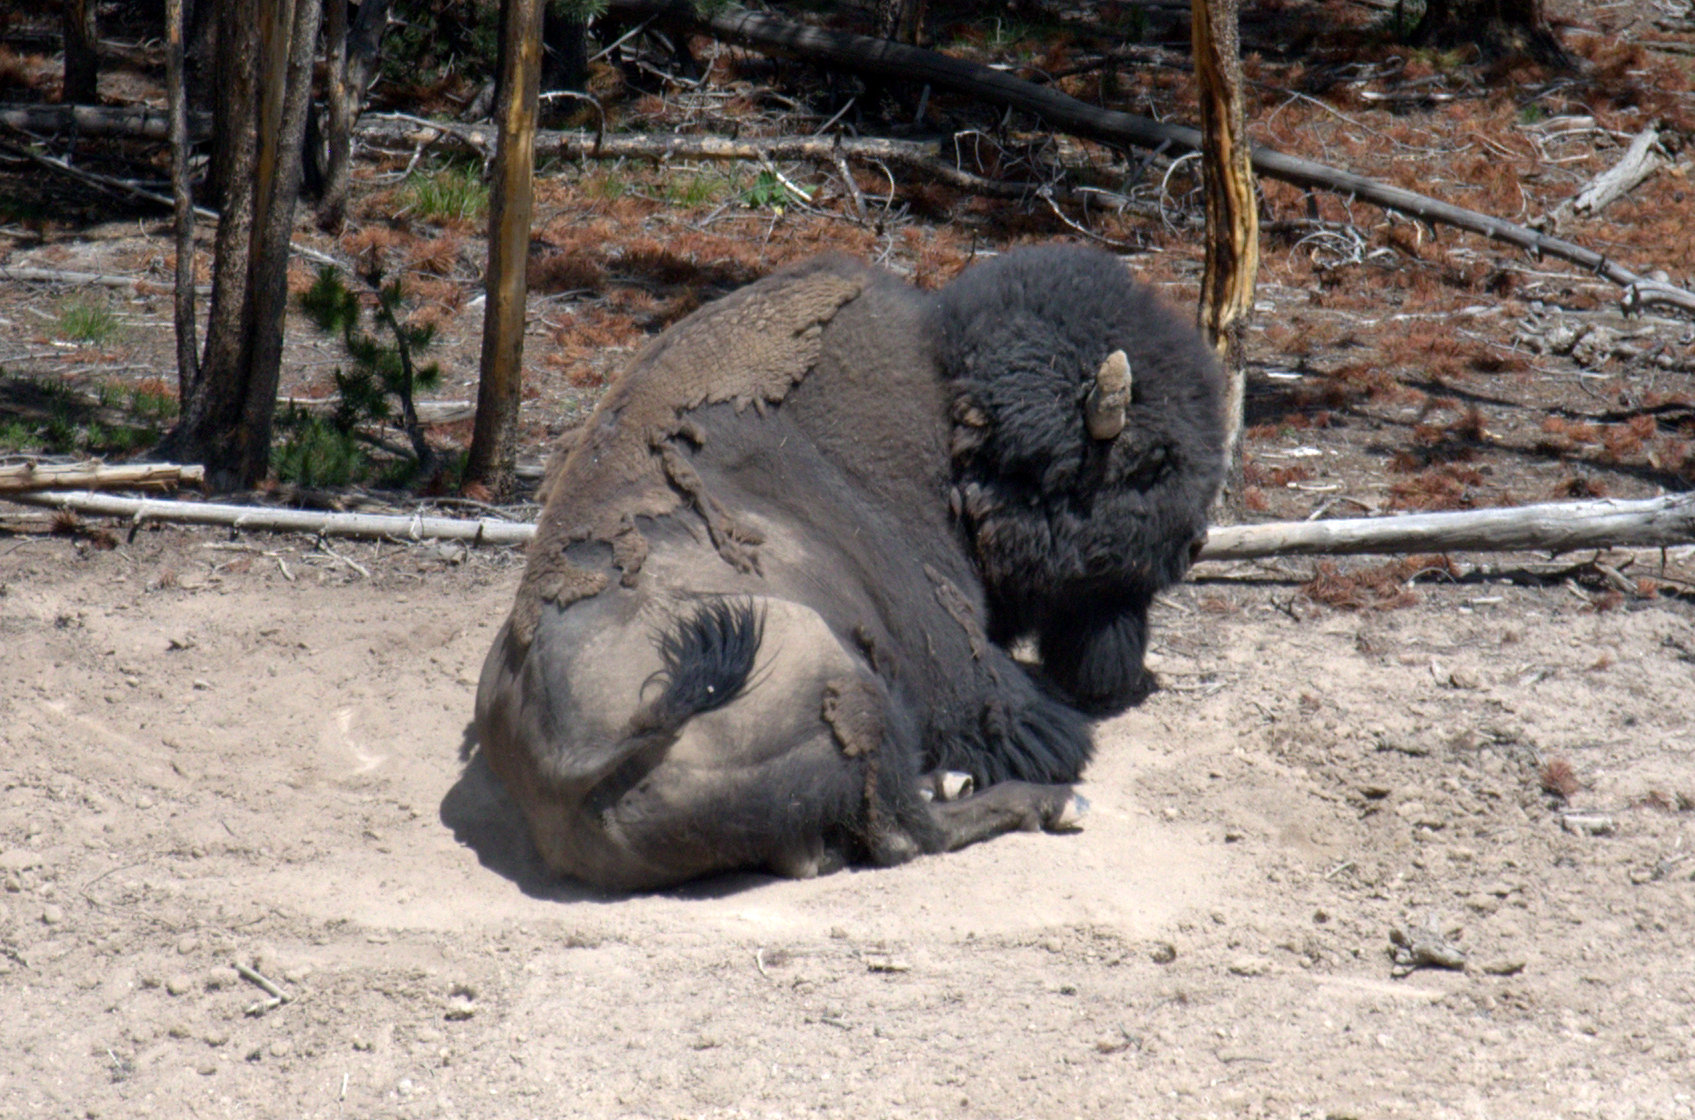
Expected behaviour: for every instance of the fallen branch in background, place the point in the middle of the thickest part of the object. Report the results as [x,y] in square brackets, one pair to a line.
[922,158]
[1549,527]
[415,528]
[135,121]
[96,476]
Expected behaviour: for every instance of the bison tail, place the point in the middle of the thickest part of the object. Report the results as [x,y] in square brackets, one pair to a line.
[708,657]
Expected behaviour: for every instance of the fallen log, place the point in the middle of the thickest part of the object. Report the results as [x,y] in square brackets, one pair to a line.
[138,121]
[920,157]
[1549,527]
[429,412]
[889,61]
[270,519]
[96,476]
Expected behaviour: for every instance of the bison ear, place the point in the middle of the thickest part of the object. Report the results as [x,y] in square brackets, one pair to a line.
[1108,397]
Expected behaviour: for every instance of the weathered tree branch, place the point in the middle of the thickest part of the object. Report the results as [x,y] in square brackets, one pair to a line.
[1639,161]
[135,121]
[1549,527]
[138,510]
[923,158]
[96,476]
[888,61]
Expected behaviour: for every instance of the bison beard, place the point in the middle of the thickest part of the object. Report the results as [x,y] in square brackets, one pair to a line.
[1075,535]
[771,590]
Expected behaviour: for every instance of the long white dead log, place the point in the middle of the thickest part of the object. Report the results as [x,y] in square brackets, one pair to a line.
[429,412]
[139,510]
[1550,527]
[96,476]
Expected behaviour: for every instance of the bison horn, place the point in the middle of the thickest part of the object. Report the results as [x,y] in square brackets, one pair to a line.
[1109,397]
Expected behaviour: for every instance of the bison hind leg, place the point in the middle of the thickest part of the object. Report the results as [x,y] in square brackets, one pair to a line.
[1095,657]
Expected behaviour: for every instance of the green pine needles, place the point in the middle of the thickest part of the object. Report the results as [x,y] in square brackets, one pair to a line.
[385,368]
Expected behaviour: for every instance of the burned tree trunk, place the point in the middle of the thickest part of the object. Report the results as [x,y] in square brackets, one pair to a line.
[1232,219]
[1497,28]
[82,64]
[176,97]
[352,54]
[265,54]
[494,439]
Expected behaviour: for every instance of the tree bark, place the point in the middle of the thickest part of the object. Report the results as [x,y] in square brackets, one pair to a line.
[1497,28]
[353,52]
[494,438]
[265,49]
[176,96]
[82,62]
[1232,215]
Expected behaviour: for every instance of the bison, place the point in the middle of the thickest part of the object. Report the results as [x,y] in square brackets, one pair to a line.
[765,620]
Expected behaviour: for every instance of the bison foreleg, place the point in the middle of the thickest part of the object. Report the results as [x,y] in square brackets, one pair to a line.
[1008,807]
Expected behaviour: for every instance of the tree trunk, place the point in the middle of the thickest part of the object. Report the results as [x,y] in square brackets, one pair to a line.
[494,439]
[1497,28]
[1232,218]
[176,96]
[82,64]
[352,52]
[265,53]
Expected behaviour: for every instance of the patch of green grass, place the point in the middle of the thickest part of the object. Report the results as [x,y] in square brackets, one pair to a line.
[1531,113]
[696,190]
[87,321]
[453,193]
[607,186]
[15,435]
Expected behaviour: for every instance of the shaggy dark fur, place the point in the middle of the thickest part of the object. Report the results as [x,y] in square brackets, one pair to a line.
[1074,536]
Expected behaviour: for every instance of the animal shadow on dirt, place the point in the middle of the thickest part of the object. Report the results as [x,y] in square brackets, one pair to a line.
[483,817]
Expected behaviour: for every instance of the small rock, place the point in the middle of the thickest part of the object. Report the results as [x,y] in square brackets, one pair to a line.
[19,859]
[882,963]
[206,1068]
[1250,966]
[1163,952]
[1464,678]
[280,1048]
[1504,966]
[1483,903]
[217,1036]
[1588,824]
[180,984]
[52,914]
[188,944]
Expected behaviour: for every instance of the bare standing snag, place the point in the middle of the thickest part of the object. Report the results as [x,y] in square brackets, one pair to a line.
[761,615]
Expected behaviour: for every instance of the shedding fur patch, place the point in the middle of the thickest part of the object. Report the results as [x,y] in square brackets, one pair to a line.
[750,348]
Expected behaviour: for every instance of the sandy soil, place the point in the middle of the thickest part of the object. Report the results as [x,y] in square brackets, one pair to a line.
[248,752]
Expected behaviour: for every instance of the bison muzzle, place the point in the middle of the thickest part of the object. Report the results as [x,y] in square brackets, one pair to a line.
[765,619]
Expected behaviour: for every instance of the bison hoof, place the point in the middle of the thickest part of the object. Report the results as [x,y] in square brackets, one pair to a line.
[1071,814]
[946,785]
[951,785]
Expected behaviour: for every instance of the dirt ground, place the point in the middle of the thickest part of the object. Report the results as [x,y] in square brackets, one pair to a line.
[222,753]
